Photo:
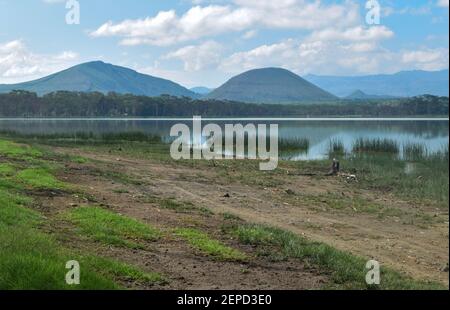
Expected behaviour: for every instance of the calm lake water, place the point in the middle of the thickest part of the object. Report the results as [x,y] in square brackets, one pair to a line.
[433,133]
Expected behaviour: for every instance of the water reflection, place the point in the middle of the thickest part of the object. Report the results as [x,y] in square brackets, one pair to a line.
[431,133]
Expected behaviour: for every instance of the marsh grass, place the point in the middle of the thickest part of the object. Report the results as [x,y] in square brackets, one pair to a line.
[346,270]
[362,145]
[214,248]
[414,152]
[293,144]
[428,182]
[336,147]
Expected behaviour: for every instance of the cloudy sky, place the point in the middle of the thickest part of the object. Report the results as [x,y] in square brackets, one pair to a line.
[205,42]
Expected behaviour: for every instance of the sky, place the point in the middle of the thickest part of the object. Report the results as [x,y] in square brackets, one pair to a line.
[206,42]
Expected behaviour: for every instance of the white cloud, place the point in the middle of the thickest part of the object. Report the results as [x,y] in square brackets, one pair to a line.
[359,33]
[340,57]
[262,56]
[249,34]
[427,59]
[208,78]
[18,63]
[198,57]
[167,28]
[326,51]
[443,3]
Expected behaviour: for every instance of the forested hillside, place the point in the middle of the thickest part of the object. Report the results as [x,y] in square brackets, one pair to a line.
[78,104]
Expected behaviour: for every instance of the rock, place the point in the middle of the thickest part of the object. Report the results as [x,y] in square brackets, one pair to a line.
[227,195]
[290,192]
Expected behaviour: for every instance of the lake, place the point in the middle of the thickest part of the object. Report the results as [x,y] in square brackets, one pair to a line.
[433,133]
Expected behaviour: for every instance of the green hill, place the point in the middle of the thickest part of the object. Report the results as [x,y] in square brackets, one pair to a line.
[360,95]
[101,77]
[269,85]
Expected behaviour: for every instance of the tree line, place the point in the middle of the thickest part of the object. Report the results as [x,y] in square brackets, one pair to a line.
[95,104]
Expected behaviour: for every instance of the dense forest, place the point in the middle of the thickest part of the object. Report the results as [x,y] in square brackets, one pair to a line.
[78,104]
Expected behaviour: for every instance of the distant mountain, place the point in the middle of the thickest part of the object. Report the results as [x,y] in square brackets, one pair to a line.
[402,84]
[102,77]
[201,90]
[269,85]
[359,95]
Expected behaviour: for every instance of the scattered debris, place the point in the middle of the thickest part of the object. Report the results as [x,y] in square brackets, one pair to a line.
[349,177]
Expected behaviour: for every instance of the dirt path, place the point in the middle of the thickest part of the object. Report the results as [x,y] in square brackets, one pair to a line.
[419,252]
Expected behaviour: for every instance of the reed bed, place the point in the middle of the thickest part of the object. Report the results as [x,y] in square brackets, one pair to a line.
[293,144]
[336,147]
[362,145]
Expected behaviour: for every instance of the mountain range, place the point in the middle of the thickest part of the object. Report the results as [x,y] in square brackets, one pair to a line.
[360,95]
[266,85]
[102,77]
[401,84]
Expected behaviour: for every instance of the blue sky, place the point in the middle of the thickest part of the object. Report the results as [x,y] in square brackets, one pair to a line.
[205,42]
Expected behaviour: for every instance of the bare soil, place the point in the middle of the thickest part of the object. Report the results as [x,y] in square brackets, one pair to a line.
[417,250]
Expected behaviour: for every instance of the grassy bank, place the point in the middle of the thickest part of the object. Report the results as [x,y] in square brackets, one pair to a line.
[31,258]
[34,258]
[347,271]
[417,178]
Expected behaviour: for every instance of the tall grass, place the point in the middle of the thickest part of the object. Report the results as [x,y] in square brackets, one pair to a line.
[427,182]
[362,145]
[414,151]
[293,144]
[336,147]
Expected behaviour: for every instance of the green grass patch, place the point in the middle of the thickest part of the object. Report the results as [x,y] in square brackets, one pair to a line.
[16,151]
[347,271]
[121,271]
[32,260]
[13,211]
[7,170]
[78,159]
[40,178]
[201,241]
[111,228]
